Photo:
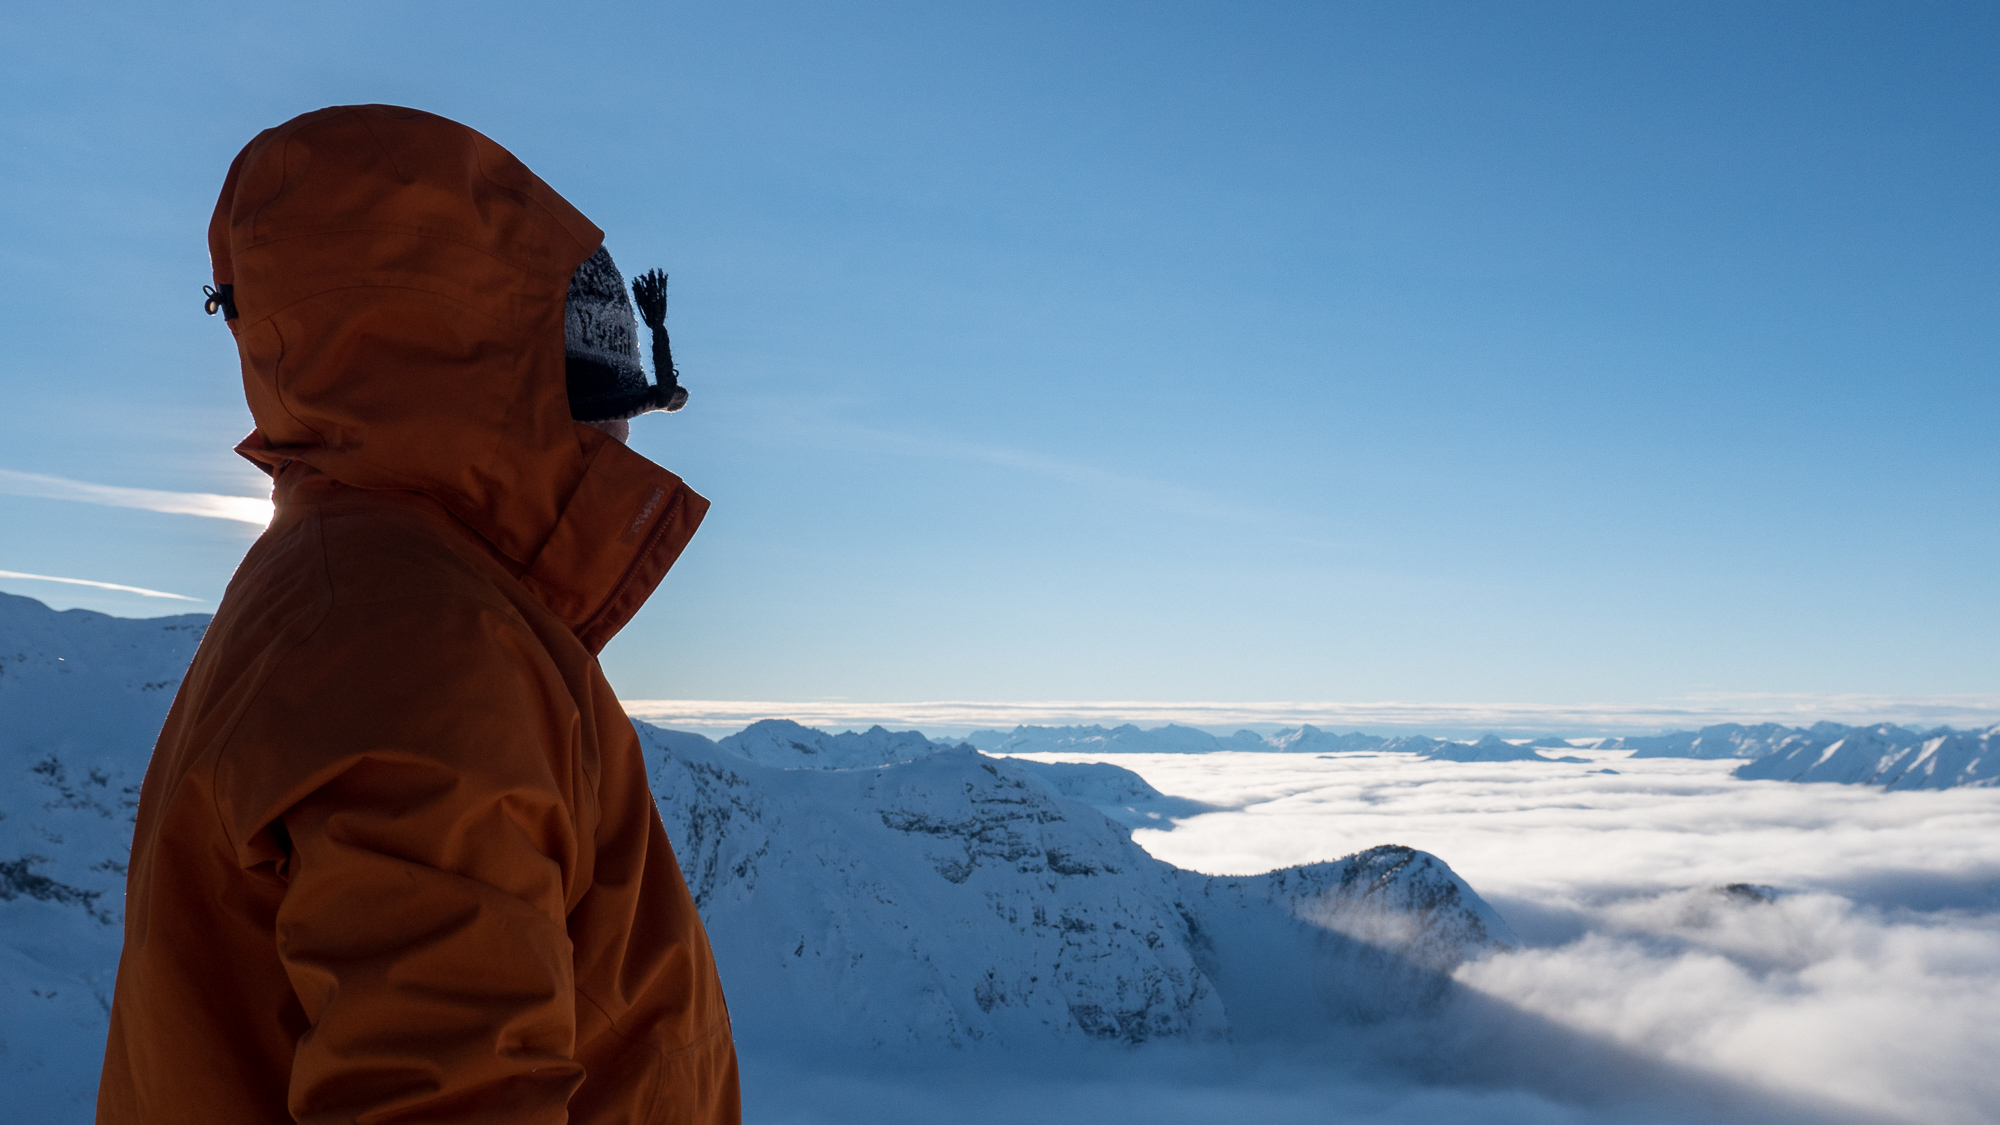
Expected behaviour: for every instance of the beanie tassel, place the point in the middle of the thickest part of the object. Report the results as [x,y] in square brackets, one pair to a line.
[649,292]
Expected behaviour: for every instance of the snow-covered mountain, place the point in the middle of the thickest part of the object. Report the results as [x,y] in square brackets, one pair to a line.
[787,745]
[1126,739]
[959,899]
[1727,740]
[82,697]
[1309,739]
[1886,755]
[1491,748]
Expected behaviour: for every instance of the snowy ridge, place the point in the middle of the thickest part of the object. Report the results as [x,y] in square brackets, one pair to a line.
[1116,792]
[786,744]
[1377,935]
[957,900]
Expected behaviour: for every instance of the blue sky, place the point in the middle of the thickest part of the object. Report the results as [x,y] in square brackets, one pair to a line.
[1140,351]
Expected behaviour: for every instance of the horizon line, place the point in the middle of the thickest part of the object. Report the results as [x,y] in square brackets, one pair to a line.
[1683,712]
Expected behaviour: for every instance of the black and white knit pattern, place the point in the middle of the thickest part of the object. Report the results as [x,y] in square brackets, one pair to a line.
[601,345]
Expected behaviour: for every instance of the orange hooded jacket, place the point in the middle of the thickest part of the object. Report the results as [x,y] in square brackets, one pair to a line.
[396,859]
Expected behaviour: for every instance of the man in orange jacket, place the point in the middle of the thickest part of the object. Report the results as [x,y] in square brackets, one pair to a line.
[396,859]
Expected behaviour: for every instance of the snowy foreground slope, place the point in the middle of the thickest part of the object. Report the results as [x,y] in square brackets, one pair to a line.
[959,900]
[917,897]
[82,696]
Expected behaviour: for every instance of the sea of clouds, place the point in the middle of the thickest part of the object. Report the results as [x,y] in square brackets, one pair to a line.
[1852,973]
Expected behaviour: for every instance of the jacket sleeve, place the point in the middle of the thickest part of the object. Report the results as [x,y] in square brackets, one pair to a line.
[420,779]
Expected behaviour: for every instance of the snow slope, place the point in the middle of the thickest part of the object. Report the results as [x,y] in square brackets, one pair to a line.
[82,696]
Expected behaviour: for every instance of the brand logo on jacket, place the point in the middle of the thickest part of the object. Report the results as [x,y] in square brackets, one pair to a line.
[646,511]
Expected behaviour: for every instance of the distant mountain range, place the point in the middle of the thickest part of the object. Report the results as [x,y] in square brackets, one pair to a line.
[1886,755]
[1308,739]
[1889,756]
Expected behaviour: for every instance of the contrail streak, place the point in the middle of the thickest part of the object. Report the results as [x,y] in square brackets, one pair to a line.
[99,585]
[245,509]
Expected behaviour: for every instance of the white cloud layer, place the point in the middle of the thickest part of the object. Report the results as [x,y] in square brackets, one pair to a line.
[1871,979]
[960,716]
[1890,1011]
[245,509]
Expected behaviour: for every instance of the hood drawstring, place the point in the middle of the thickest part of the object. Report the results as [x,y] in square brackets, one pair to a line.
[649,292]
[220,298]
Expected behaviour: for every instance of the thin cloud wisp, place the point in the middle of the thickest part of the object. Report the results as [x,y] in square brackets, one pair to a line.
[140,590]
[243,509]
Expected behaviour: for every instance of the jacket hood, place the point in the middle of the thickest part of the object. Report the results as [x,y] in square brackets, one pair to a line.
[399,282]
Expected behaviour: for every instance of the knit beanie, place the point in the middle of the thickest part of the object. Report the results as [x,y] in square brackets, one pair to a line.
[601,345]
